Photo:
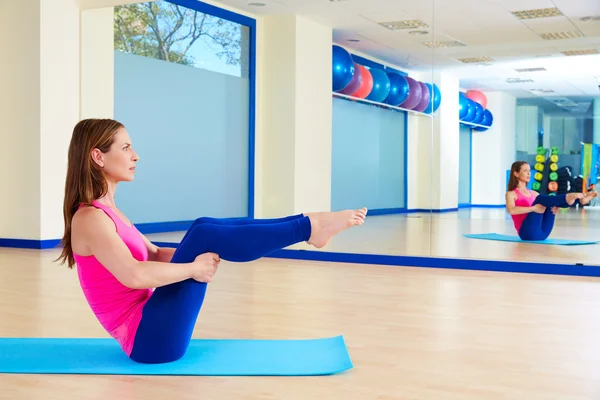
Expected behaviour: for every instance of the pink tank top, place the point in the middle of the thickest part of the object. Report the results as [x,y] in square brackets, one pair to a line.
[522,201]
[117,307]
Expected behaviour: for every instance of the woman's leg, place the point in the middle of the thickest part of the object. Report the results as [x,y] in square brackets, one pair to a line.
[560,200]
[238,221]
[169,316]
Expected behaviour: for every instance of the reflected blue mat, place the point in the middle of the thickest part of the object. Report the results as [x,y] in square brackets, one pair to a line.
[509,238]
[214,357]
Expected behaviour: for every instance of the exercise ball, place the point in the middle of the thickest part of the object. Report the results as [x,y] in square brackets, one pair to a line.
[463,106]
[381,85]
[477,97]
[434,91]
[343,68]
[366,84]
[425,97]
[354,82]
[399,89]
[479,110]
[470,111]
[488,118]
[414,95]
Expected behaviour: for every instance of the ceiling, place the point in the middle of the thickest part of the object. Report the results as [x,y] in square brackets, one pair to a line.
[454,34]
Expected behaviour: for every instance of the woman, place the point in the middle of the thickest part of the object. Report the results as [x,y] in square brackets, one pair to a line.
[532,213]
[118,267]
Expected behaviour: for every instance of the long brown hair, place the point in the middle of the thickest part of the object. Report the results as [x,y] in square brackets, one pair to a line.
[513,182]
[85,181]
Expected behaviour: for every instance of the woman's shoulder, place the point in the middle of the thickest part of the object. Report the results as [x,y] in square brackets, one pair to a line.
[88,217]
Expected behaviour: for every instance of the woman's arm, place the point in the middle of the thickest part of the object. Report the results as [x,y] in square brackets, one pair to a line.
[512,208]
[155,253]
[98,235]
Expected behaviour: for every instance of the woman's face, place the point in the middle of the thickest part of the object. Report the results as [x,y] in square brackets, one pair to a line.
[524,173]
[118,164]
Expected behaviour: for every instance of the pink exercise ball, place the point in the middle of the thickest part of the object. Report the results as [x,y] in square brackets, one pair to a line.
[477,97]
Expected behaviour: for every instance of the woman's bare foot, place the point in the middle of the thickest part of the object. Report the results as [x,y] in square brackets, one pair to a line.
[571,197]
[325,225]
[586,198]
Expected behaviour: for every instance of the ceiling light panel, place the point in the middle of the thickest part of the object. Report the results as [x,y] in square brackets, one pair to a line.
[584,52]
[475,60]
[537,13]
[407,24]
[561,35]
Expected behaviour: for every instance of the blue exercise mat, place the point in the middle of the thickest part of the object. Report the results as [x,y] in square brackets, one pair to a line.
[509,238]
[208,357]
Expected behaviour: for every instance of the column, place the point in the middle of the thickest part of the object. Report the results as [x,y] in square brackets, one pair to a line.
[294,143]
[40,98]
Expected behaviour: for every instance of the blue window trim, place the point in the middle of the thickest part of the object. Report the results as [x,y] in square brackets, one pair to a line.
[251,24]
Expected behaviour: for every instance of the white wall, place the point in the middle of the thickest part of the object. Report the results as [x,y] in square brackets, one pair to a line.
[494,151]
[275,142]
[97,63]
[20,129]
[59,97]
[295,144]
[445,163]
[313,117]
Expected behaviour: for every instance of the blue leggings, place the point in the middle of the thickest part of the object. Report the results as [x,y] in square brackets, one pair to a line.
[169,316]
[539,226]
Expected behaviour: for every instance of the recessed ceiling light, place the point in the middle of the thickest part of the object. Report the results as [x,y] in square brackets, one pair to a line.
[257,4]
[561,35]
[537,13]
[408,24]
[417,33]
[475,60]
[580,52]
[536,69]
[354,40]
[590,18]
[449,43]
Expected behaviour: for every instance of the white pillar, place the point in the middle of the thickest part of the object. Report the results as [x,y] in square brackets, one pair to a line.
[494,151]
[294,146]
[40,97]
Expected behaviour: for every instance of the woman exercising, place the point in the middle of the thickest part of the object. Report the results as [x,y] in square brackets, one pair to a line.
[533,214]
[118,267]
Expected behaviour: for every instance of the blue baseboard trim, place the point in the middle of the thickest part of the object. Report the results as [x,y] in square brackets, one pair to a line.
[30,243]
[434,262]
[162,227]
[442,262]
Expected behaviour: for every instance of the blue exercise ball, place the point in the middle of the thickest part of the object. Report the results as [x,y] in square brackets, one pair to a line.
[343,68]
[463,106]
[381,85]
[479,110]
[470,111]
[436,98]
[399,89]
[488,119]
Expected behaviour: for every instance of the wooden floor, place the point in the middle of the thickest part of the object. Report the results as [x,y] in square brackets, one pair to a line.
[441,235]
[412,333]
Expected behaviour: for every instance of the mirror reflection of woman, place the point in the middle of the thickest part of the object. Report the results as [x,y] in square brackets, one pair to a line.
[533,214]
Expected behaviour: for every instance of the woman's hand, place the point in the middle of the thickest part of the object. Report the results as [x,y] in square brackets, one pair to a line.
[554,210]
[205,267]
